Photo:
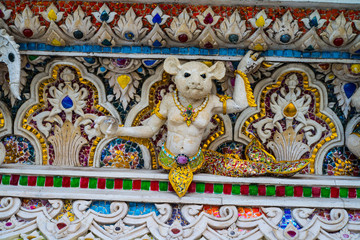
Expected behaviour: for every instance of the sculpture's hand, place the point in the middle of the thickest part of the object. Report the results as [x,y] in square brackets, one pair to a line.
[250,62]
[107,126]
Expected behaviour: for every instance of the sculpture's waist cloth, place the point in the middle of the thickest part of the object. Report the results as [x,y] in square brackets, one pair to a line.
[258,162]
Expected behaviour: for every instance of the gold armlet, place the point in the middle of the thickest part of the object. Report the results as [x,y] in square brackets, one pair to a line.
[223,99]
[157,113]
[249,92]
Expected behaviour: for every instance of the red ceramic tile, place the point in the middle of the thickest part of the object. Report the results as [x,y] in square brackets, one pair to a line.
[209,188]
[101,183]
[192,187]
[49,181]
[66,182]
[244,189]
[334,192]
[227,189]
[352,192]
[154,186]
[298,191]
[84,182]
[262,190]
[14,179]
[118,183]
[316,191]
[280,191]
[170,188]
[137,184]
[32,180]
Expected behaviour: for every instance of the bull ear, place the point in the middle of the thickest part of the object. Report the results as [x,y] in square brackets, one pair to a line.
[172,65]
[217,70]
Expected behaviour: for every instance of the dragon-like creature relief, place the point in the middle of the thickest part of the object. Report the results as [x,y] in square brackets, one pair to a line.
[9,54]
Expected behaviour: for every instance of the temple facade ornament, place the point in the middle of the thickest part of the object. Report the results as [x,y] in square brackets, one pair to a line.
[145,120]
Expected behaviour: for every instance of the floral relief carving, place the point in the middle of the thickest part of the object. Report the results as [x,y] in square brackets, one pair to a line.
[228,225]
[233,29]
[130,27]
[285,31]
[183,28]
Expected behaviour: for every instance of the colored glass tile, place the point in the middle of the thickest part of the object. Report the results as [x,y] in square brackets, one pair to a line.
[127,184]
[32,181]
[334,192]
[154,186]
[75,182]
[118,183]
[57,181]
[307,191]
[209,188]
[270,190]
[84,182]
[235,190]
[200,187]
[280,191]
[109,183]
[227,189]
[49,181]
[66,182]
[218,188]
[316,192]
[145,185]
[40,181]
[5,179]
[136,184]
[163,186]
[23,180]
[92,183]
[14,180]
[289,191]
[244,189]
[298,191]
[170,188]
[101,183]
[358,192]
[344,192]
[325,192]
[192,187]
[352,192]
[253,190]
[262,190]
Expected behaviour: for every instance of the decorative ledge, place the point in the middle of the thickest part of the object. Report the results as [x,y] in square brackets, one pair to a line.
[135,185]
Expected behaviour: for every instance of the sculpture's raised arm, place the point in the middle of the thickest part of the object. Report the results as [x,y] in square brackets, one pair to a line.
[242,94]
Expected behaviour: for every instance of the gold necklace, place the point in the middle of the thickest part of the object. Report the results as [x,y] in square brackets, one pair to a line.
[189,113]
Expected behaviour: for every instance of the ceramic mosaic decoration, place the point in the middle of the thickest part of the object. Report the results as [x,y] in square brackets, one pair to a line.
[180,120]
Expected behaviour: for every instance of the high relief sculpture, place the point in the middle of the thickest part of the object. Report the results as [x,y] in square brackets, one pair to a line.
[187,112]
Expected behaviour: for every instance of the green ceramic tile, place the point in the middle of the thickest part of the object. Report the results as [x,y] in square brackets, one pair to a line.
[253,190]
[57,181]
[5,179]
[270,190]
[344,192]
[163,186]
[109,183]
[200,187]
[218,188]
[235,190]
[145,185]
[289,191]
[75,182]
[127,184]
[40,181]
[92,183]
[23,180]
[307,191]
[358,193]
[325,192]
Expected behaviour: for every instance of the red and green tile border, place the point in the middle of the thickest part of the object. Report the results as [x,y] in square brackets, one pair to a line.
[164,186]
